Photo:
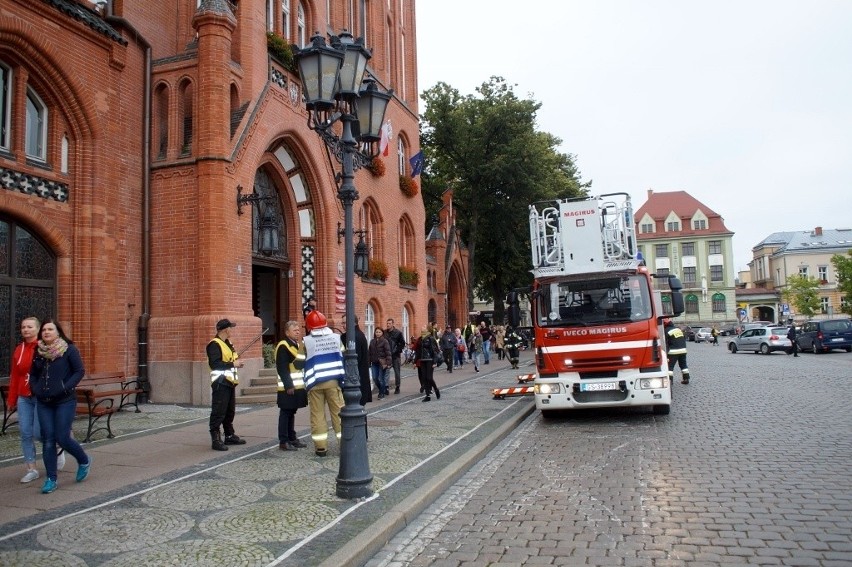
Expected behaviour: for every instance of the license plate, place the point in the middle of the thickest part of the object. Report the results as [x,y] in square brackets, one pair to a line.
[599,387]
[837,340]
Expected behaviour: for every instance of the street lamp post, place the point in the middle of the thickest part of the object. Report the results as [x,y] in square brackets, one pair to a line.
[335,93]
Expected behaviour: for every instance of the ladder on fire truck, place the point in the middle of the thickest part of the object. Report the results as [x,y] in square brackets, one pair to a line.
[591,234]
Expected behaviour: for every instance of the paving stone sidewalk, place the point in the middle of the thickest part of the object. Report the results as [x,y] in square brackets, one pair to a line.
[254,505]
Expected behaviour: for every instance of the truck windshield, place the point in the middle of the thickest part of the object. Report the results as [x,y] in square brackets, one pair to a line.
[593,302]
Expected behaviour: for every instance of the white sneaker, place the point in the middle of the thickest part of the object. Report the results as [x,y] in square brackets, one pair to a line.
[31,475]
[60,461]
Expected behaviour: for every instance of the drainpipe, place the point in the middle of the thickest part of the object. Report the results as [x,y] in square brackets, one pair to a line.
[144,318]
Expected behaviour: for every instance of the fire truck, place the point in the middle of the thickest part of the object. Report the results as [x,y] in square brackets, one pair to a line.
[596,309]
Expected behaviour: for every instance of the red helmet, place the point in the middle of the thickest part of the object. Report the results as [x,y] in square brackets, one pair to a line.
[315,320]
[667,322]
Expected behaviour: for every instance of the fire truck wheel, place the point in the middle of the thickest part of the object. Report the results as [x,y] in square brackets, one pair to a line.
[662,410]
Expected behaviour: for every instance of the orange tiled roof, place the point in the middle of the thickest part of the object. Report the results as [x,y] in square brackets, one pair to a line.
[660,204]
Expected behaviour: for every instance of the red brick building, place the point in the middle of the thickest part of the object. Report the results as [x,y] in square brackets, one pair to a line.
[128,131]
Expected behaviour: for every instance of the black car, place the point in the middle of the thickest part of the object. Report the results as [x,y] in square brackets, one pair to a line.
[688,332]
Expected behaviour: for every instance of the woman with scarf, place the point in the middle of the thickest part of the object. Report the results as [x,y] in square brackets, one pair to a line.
[55,373]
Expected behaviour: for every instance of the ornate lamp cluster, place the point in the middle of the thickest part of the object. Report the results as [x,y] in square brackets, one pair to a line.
[336,92]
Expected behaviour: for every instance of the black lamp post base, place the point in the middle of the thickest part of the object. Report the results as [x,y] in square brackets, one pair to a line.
[354,479]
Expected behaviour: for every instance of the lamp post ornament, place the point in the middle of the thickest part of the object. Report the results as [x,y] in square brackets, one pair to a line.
[335,91]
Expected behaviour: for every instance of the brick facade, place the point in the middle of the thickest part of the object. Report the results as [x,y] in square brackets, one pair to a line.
[223,114]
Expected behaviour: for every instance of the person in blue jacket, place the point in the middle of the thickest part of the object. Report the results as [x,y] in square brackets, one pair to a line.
[57,369]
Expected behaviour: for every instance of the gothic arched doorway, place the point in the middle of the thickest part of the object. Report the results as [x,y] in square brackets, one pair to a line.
[270,260]
[27,284]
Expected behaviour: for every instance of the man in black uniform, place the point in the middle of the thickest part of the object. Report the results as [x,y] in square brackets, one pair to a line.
[222,359]
[676,350]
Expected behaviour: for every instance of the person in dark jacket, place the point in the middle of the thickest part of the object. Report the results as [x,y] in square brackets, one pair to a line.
[794,345]
[56,370]
[676,350]
[223,360]
[513,342]
[289,363]
[425,350]
[362,350]
[448,343]
[380,361]
[397,343]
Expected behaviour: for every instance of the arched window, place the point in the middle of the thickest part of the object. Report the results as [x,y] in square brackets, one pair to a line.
[371,221]
[300,25]
[36,138]
[27,284]
[400,155]
[691,304]
[405,239]
[161,121]
[433,311]
[369,322]
[285,19]
[718,303]
[186,112]
[405,324]
[5,105]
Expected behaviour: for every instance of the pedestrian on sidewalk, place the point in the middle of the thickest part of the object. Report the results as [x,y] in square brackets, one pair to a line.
[485,333]
[397,343]
[448,347]
[56,370]
[475,347]
[289,363]
[21,398]
[461,348]
[425,353]
[380,361]
[362,352]
[324,376]
[500,341]
[222,359]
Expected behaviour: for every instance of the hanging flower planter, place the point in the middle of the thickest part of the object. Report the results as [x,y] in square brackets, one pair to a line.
[376,167]
[378,271]
[408,276]
[408,186]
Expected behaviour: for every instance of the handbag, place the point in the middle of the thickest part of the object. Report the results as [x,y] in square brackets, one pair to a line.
[439,357]
[460,347]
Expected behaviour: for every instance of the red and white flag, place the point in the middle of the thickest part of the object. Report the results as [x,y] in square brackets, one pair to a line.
[384,141]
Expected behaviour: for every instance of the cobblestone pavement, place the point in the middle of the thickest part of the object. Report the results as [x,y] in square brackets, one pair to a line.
[261,506]
[752,467]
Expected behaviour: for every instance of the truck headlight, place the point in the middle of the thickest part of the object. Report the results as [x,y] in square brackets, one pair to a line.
[653,383]
[547,389]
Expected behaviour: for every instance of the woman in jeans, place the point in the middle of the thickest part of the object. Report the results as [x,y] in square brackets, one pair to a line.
[380,361]
[55,373]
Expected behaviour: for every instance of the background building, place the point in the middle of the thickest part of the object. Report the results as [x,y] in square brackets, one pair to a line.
[677,234]
[784,254]
[129,129]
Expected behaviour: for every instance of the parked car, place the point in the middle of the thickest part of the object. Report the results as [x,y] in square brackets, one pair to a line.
[688,332]
[704,334]
[764,340]
[728,330]
[822,336]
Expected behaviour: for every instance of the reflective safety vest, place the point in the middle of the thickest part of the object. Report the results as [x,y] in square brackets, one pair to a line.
[228,355]
[675,341]
[296,375]
[324,358]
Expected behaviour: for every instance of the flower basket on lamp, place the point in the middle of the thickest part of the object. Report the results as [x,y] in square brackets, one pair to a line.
[376,167]
[408,186]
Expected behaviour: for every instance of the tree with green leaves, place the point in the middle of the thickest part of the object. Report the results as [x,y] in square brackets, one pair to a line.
[843,273]
[486,147]
[801,292]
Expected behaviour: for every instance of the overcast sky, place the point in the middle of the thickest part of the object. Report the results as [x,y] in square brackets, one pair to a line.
[746,105]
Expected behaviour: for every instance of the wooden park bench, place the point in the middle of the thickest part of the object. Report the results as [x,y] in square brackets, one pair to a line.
[7,413]
[96,395]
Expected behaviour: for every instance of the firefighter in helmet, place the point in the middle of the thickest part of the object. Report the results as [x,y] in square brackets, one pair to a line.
[324,376]
[676,350]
